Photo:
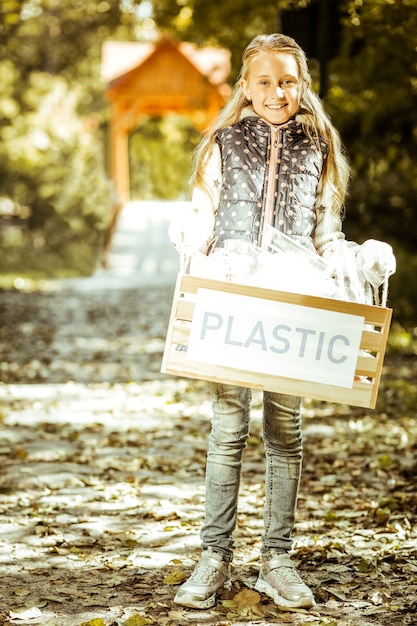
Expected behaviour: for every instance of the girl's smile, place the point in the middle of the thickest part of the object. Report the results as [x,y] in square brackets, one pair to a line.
[273,86]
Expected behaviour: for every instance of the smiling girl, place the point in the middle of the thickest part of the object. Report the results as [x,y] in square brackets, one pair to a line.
[272,158]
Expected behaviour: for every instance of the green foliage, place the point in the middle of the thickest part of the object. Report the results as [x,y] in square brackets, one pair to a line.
[373,101]
[403,287]
[52,169]
[53,36]
[231,24]
[160,158]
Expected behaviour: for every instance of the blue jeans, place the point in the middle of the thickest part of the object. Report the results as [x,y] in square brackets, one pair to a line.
[283,451]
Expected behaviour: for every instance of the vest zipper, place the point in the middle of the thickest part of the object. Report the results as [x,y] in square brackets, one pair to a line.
[270,190]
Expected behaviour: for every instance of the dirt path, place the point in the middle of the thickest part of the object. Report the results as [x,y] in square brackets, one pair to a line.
[102,484]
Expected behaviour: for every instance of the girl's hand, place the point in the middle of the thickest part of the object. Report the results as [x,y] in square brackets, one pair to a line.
[376,260]
[182,234]
[190,229]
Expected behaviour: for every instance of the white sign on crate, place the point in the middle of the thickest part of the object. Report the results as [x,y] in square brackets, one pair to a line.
[279,338]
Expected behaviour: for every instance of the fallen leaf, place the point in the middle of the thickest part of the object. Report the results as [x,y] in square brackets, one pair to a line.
[174,578]
[137,620]
[26,614]
[53,598]
[336,593]
[246,597]
[39,603]
[22,593]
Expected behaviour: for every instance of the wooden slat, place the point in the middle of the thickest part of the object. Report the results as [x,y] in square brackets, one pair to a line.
[376,316]
[359,395]
[185,310]
[372,340]
[367,366]
[181,334]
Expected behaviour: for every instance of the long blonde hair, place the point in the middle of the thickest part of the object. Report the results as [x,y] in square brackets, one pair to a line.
[311,114]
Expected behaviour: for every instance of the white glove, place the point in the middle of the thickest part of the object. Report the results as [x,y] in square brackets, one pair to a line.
[176,233]
[376,261]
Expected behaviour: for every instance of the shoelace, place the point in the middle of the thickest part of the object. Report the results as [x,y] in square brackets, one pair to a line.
[288,575]
[204,574]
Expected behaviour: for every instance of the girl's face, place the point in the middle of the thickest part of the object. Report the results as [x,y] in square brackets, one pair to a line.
[273,85]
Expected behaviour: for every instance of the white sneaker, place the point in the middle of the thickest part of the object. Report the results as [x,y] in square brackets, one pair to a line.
[279,580]
[209,576]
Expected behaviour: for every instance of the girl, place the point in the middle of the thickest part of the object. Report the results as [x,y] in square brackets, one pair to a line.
[273,157]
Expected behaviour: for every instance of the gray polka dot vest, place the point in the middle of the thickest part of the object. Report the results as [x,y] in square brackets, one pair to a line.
[270,175]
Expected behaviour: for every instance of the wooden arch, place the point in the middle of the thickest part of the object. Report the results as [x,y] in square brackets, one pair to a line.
[155,79]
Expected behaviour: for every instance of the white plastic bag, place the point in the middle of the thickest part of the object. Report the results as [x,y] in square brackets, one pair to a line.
[294,266]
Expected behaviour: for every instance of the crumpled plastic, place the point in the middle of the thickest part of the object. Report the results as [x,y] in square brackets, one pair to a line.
[286,266]
[351,273]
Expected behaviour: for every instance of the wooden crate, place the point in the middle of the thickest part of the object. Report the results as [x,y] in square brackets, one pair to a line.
[373,340]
